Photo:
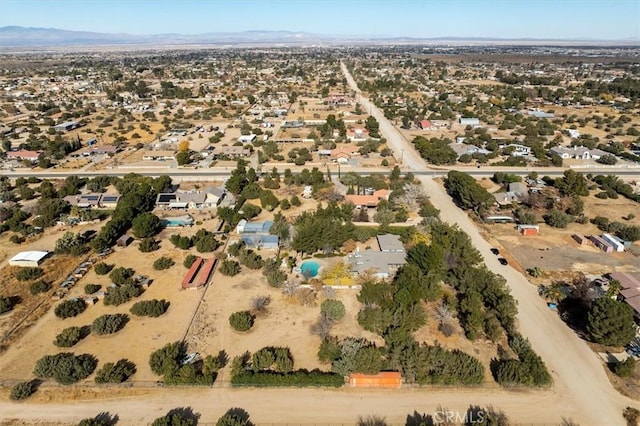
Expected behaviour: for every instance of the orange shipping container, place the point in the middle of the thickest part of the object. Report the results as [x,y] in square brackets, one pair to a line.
[386,379]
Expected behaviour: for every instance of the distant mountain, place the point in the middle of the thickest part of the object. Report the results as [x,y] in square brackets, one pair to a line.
[15,37]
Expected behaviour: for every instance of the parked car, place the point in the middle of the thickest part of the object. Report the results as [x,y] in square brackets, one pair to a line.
[495,251]
[503,261]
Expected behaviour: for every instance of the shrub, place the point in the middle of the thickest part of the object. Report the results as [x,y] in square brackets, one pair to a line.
[92,288]
[96,421]
[163,263]
[16,239]
[22,390]
[150,308]
[65,368]
[285,204]
[109,323]
[121,275]
[184,243]
[229,268]
[102,268]
[625,368]
[148,245]
[28,274]
[119,295]
[167,359]
[68,337]
[39,286]
[205,241]
[188,261]
[70,308]
[241,321]
[116,373]
[251,259]
[295,201]
[299,378]
[176,418]
[334,309]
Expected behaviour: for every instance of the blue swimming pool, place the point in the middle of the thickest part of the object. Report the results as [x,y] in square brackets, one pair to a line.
[175,222]
[309,268]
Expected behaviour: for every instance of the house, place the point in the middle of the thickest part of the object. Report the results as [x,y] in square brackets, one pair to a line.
[425,124]
[463,148]
[343,154]
[519,150]
[577,152]
[91,150]
[247,138]
[390,243]
[518,188]
[384,379]
[506,198]
[601,244]
[371,201]
[256,227]
[190,200]
[630,293]
[24,154]
[469,121]
[93,200]
[528,229]
[159,155]
[356,135]
[124,241]
[28,259]
[258,241]
[575,134]
[540,114]
[235,151]
[380,264]
[66,126]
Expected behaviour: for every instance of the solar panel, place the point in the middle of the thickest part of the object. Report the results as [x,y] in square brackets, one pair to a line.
[109,198]
[165,198]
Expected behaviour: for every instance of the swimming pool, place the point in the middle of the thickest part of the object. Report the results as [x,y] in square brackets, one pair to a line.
[174,222]
[309,268]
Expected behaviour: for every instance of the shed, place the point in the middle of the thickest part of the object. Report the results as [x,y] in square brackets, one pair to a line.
[28,259]
[124,241]
[528,229]
[385,379]
[614,242]
[580,239]
[601,244]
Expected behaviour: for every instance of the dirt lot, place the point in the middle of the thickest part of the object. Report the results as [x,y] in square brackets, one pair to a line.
[140,336]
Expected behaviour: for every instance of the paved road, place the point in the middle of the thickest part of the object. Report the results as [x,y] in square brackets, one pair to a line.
[578,374]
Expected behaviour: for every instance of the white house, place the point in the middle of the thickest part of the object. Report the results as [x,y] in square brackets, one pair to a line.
[578,152]
[519,150]
[247,138]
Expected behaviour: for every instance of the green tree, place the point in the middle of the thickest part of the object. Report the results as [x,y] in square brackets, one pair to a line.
[116,372]
[109,323]
[334,309]
[467,192]
[610,322]
[146,225]
[625,368]
[241,321]
[229,268]
[22,390]
[163,263]
[572,183]
[68,337]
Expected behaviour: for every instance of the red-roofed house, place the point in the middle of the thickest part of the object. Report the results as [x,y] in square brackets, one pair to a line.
[23,154]
[425,124]
[368,200]
[343,154]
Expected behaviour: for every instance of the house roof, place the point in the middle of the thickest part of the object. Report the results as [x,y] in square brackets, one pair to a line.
[390,243]
[23,153]
[375,260]
[34,255]
[626,280]
[634,302]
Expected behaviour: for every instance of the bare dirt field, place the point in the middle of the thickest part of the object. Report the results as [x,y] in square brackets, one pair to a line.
[140,336]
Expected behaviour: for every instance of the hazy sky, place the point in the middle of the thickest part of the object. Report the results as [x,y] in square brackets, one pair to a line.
[573,19]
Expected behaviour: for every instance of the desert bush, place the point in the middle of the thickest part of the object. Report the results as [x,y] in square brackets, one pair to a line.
[150,308]
[241,321]
[177,418]
[68,337]
[121,275]
[334,309]
[109,323]
[184,243]
[625,368]
[148,245]
[70,308]
[229,268]
[39,286]
[102,268]
[28,274]
[22,390]
[188,261]
[116,373]
[65,368]
[92,288]
[163,263]
[119,295]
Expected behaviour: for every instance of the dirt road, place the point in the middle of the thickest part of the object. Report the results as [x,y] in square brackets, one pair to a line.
[578,374]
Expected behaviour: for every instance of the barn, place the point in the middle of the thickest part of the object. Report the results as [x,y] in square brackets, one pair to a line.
[28,259]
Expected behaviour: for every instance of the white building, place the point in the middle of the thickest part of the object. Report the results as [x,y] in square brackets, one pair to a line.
[28,259]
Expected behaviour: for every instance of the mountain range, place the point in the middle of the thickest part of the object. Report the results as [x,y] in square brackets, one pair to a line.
[27,37]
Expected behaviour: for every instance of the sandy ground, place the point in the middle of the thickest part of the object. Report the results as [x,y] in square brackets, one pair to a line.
[140,336]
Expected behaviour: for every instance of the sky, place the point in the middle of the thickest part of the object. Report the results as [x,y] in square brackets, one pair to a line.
[546,19]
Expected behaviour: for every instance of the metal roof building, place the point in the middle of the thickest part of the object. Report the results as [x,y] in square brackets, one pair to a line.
[26,259]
